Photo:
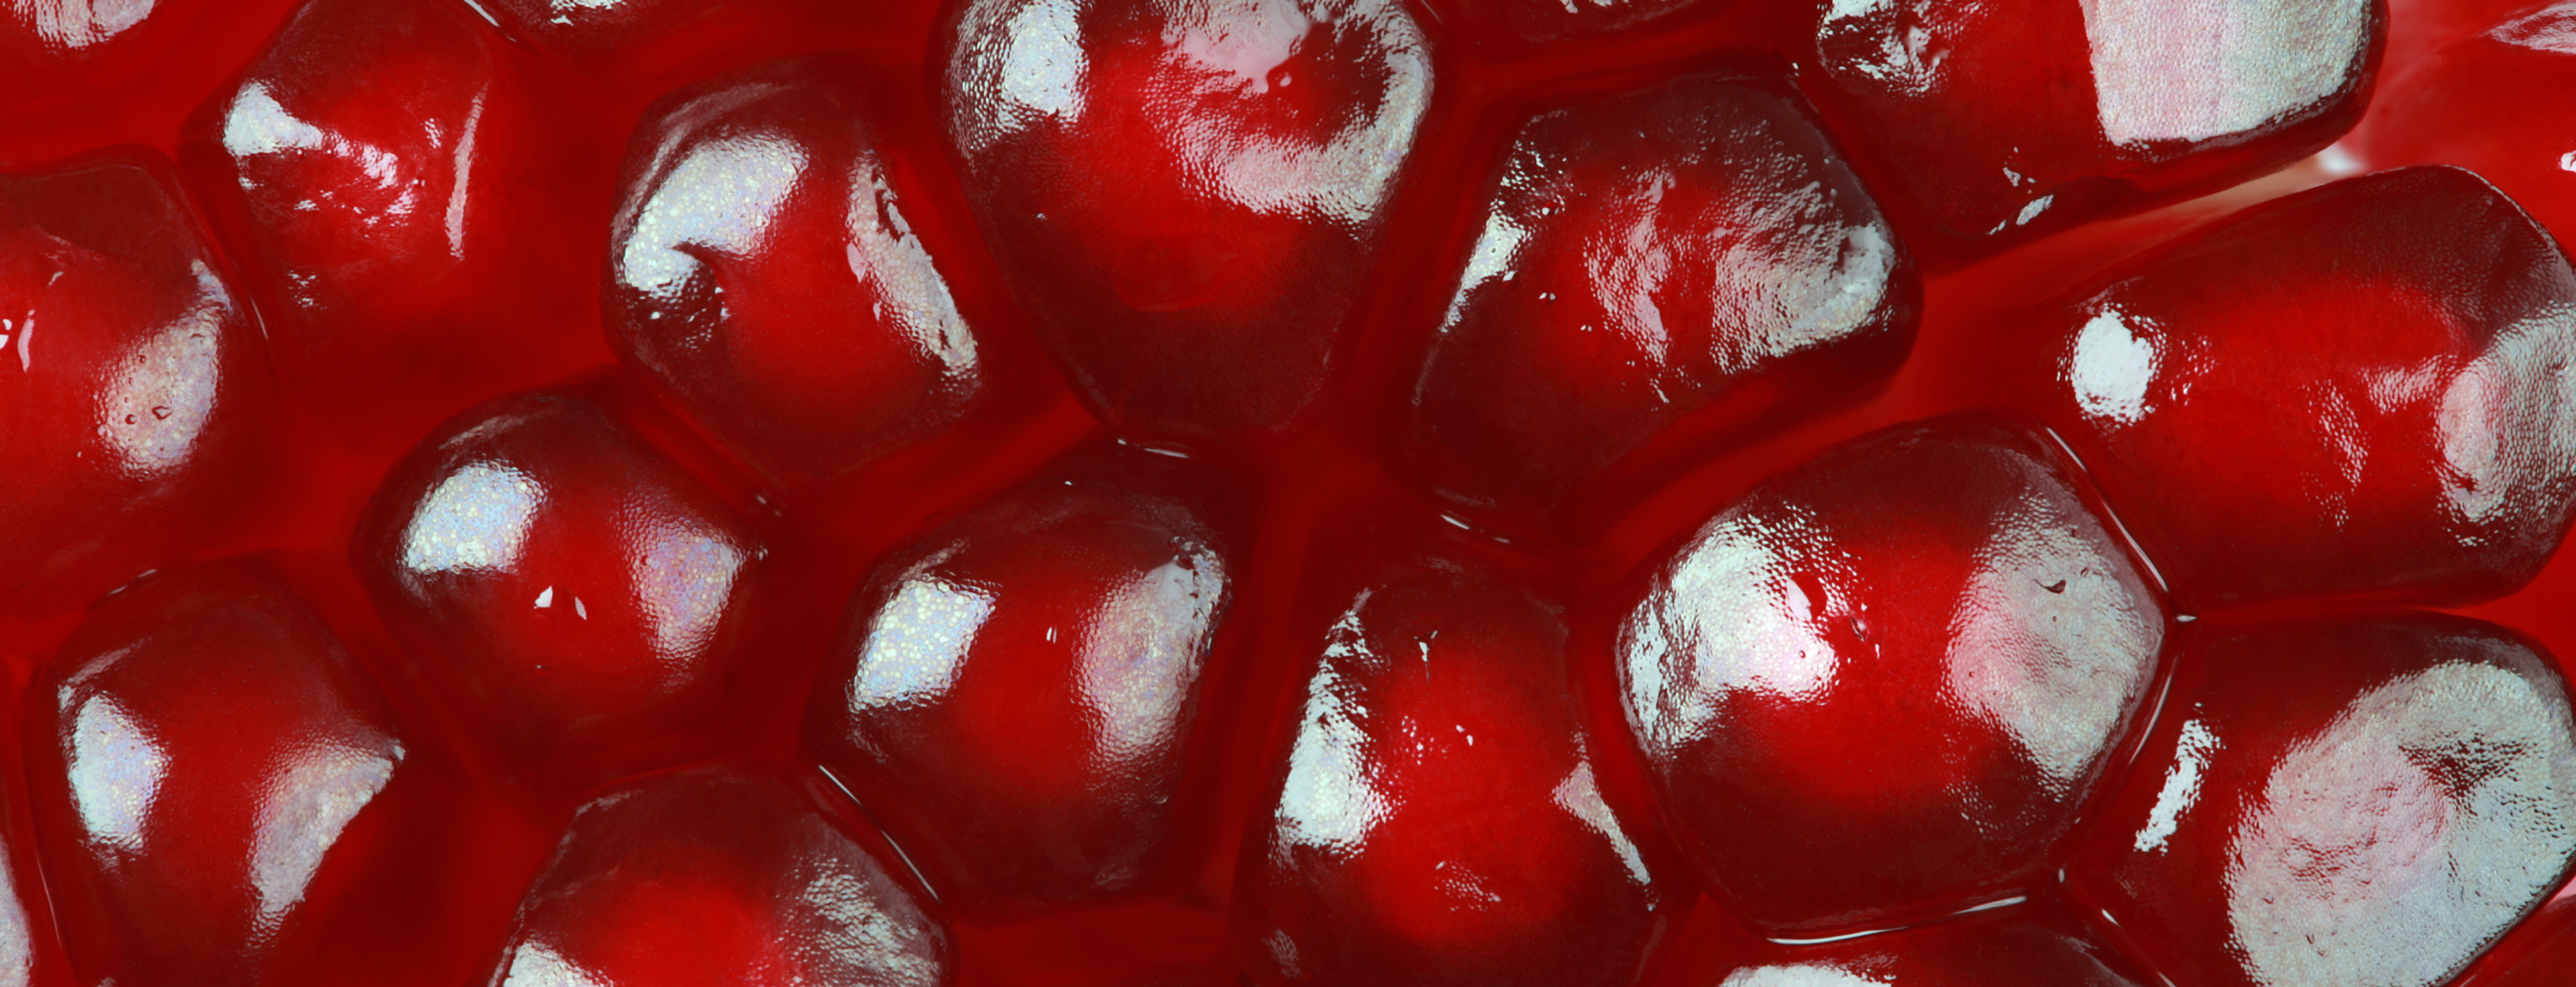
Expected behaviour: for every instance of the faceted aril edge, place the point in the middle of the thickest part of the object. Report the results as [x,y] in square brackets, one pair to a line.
[1695,251]
[763,269]
[567,587]
[132,389]
[1982,125]
[2362,389]
[1186,199]
[717,875]
[1015,696]
[381,171]
[1881,684]
[1438,818]
[196,752]
[2493,100]
[2339,800]
[1969,952]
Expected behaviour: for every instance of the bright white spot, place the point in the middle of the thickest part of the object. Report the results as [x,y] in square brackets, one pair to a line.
[2551,29]
[1343,177]
[683,575]
[1142,655]
[78,24]
[2182,786]
[2031,211]
[546,598]
[115,773]
[2508,420]
[2195,70]
[918,642]
[890,261]
[464,178]
[477,518]
[1042,72]
[1329,800]
[307,805]
[1498,249]
[2053,639]
[1729,617]
[721,197]
[1258,37]
[2389,847]
[257,125]
[158,400]
[2114,365]
[536,964]
[1579,794]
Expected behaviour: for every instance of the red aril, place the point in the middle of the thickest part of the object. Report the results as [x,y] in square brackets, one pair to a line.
[1691,257]
[1437,814]
[1982,126]
[1015,697]
[766,268]
[720,874]
[134,399]
[2361,390]
[1187,199]
[196,753]
[1880,685]
[381,171]
[577,595]
[2340,800]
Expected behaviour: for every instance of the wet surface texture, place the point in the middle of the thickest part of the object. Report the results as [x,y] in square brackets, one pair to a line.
[132,389]
[1440,818]
[1015,696]
[765,267]
[563,584]
[1879,686]
[719,875]
[197,751]
[1694,251]
[1186,199]
[2405,428]
[1985,125]
[2340,800]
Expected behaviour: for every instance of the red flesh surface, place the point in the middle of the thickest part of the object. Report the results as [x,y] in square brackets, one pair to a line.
[472,847]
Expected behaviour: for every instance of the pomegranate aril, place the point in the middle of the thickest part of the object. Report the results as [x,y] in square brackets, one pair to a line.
[1692,256]
[2492,101]
[197,753]
[1186,198]
[1880,685]
[133,397]
[2364,389]
[1437,814]
[2356,800]
[765,268]
[383,175]
[576,594]
[1014,697]
[718,875]
[1982,125]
